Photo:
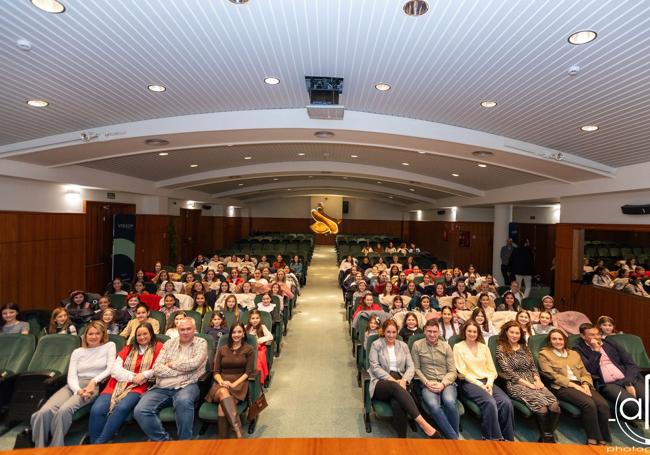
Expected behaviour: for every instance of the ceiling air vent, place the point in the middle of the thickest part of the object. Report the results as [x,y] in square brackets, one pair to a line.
[324,97]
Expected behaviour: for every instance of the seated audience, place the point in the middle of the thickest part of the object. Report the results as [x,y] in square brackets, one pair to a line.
[391,369]
[177,369]
[480,317]
[548,304]
[545,324]
[570,381]
[61,323]
[510,303]
[477,373]
[109,318]
[523,381]
[130,376]
[89,365]
[217,327]
[410,327]
[523,319]
[449,325]
[201,305]
[170,306]
[433,361]
[366,304]
[141,316]
[264,339]
[606,326]
[601,278]
[172,326]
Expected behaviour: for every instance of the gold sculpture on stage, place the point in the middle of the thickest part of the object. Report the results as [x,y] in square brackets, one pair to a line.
[323,224]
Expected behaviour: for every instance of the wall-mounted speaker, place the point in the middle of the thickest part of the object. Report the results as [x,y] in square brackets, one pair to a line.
[636,209]
[206,207]
[346,207]
[441,212]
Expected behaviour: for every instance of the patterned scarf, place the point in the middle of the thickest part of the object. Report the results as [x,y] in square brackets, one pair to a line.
[123,388]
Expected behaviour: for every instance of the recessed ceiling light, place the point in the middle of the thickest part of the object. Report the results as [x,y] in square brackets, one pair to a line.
[582,37]
[310,176]
[238,2]
[49,6]
[38,103]
[378,182]
[422,153]
[405,164]
[194,165]
[248,157]
[163,154]
[272,80]
[415,7]
[156,88]
[382,87]
[156,142]
[324,134]
[301,154]
[390,197]
[482,165]
[483,153]
[589,128]
[354,156]
[288,189]
[345,178]
[455,175]
[411,189]
[240,184]
[488,103]
[276,179]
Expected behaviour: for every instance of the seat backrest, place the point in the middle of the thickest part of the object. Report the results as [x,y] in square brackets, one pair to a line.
[16,351]
[53,353]
[210,341]
[230,317]
[535,344]
[573,341]
[162,338]
[160,317]
[118,301]
[371,339]
[119,341]
[267,320]
[414,338]
[634,346]
[362,325]
[530,303]
[453,340]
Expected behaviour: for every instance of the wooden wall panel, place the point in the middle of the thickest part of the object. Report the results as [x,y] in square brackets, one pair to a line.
[232,229]
[206,235]
[542,240]
[151,241]
[42,257]
[630,312]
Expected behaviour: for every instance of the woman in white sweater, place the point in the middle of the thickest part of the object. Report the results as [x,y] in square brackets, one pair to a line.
[89,365]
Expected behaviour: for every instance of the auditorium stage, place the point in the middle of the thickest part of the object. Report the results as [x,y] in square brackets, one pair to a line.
[333,446]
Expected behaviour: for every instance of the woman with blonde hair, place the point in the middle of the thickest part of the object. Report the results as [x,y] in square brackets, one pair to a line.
[89,365]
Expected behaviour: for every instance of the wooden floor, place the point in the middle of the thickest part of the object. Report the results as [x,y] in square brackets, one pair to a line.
[336,446]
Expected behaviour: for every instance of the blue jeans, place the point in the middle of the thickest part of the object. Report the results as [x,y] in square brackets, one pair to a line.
[102,426]
[496,411]
[442,407]
[152,402]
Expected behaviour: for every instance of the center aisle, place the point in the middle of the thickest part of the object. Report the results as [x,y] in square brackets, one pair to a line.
[314,391]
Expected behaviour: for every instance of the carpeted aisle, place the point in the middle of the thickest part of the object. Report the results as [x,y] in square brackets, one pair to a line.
[314,392]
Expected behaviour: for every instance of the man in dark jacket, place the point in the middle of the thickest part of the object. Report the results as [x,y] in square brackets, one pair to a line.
[522,264]
[613,370]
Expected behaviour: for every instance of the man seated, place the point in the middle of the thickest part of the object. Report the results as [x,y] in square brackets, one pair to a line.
[179,366]
[613,370]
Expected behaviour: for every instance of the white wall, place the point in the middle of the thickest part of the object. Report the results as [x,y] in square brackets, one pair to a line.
[332,205]
[604,208]
[370,209]
[300,207]
[543,215]
[459,214]
[289,207]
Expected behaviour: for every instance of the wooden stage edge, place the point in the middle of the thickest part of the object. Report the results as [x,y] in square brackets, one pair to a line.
[327,446]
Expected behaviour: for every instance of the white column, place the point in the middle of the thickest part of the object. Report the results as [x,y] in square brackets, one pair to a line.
[502,216]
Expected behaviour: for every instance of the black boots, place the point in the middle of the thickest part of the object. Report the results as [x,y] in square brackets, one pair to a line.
[547,424]
[229,407]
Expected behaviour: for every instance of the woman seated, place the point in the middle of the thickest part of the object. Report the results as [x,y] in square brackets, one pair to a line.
[297,267]
[10,322]
[601,278]
[60,323]
[410,327]
[366,304]
[264,339]
[391,369]
[449,325]
[79,307]
[89,365]
[412,291]
[622,278]
[545,324]
[172,325]
[461,290]
[570,381]
[523,319]
[366,250]
[116,287]
[606,326]
[161,276]
[487,329]
[424,307]
[523,382]
[487,304]
[477,373]
[263,263]
[510,303]
[201,305]
[232,368]
[167,287]
[400,281]
[141,316]
[132,370]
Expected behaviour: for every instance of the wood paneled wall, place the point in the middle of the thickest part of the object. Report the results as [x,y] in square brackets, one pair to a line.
[441,239]
[42,257]
[151,241]
[630,312]
[542,240]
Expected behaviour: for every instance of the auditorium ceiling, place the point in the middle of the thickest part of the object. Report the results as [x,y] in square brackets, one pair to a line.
[93,64]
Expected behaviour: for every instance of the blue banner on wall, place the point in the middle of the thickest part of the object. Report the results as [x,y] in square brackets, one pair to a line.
[123,246]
